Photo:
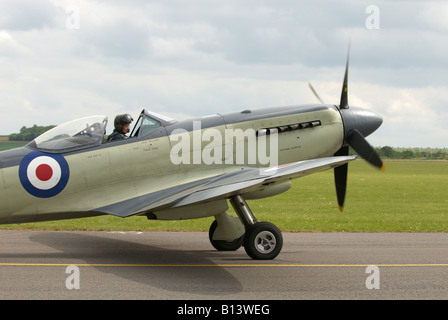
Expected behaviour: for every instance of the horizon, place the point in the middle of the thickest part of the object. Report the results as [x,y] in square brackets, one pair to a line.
[374,146]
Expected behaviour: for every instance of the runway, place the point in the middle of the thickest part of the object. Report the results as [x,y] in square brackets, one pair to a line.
[183,265]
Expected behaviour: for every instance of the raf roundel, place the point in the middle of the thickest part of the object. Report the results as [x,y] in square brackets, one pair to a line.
[44,175]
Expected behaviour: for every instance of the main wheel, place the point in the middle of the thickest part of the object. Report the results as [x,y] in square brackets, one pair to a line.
[263,241]
[222,245]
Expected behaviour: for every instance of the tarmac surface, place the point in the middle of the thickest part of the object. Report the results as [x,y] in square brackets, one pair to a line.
[183,266]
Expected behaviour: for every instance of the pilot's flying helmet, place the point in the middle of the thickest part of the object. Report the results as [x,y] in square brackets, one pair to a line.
[121,120]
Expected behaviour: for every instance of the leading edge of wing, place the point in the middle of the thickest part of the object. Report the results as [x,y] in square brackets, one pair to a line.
[250,179]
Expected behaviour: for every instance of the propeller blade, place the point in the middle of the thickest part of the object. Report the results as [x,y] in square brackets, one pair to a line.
[354,118]
[344,96]
[364,149]
[315,93]
[340,178]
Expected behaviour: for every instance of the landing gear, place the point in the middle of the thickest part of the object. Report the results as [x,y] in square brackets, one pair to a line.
[261,240]
[223,245]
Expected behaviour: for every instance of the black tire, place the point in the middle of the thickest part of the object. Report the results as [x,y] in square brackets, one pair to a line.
[222,245]
[263,241]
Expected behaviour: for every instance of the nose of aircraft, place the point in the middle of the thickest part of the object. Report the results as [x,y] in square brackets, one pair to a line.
[363,120]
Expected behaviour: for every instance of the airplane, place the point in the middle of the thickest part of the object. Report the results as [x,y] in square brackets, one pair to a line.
[190,169]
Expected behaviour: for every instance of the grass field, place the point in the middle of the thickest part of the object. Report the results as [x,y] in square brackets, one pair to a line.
[410,196]
[5,145]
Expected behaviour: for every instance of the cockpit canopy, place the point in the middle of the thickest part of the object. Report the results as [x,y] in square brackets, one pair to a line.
[89,132]
[73,135]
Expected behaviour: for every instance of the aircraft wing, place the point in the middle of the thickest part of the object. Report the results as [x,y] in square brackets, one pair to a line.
[240,183]
[222,186]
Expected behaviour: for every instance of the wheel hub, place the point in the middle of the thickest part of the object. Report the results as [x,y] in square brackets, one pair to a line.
[265,242]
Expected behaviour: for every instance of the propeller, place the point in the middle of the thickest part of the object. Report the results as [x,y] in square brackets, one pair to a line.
[364,149]
[358,123]
[340,178]
[344,93]
[315,93]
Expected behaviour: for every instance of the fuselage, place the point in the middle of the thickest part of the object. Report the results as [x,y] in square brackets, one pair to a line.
[108,173]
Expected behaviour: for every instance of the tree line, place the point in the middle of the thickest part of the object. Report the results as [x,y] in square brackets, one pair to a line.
[410,153]
[29,134]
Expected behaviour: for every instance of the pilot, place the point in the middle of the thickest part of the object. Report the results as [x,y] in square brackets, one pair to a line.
[122,125]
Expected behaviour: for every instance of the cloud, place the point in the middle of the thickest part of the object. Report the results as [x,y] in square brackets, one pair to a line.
[9,47]
[205,57]
[26,15]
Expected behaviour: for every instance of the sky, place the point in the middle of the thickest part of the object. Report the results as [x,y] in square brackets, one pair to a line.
[62,60]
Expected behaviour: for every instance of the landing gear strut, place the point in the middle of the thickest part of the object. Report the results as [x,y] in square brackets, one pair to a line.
[262,240]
